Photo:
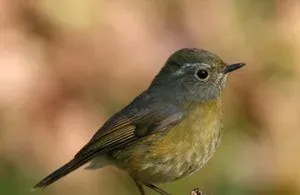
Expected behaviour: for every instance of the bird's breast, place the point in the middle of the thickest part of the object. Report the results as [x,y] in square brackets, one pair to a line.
[183,150]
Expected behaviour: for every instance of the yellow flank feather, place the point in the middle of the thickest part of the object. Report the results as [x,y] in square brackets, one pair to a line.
[200,126]
[183,150]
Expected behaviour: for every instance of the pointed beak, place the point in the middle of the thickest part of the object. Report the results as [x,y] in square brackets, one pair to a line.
[232,67]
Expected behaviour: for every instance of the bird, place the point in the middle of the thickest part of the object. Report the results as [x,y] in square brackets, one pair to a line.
[169,131]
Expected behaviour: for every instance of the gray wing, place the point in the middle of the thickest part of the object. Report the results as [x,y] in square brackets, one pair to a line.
[122,129]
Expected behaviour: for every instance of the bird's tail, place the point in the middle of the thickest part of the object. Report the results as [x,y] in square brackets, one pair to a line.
[62,171]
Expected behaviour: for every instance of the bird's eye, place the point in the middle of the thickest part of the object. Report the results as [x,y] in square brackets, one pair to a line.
[202,74]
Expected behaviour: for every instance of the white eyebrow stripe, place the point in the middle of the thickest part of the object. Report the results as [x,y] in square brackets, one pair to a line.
[205,65]
[195,64]
[181,70]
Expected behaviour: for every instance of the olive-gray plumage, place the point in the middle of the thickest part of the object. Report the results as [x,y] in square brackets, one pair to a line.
[169,131]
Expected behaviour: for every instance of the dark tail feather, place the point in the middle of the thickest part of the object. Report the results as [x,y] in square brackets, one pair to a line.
[61,172]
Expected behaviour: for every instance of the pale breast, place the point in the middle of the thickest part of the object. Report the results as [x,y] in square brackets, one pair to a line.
[182,151]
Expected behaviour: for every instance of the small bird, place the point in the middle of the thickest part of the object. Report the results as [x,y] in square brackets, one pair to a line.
[167,132]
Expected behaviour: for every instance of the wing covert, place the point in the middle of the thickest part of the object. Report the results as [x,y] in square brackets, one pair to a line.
[121,130]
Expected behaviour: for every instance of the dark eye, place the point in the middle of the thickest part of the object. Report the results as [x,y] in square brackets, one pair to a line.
[202,74]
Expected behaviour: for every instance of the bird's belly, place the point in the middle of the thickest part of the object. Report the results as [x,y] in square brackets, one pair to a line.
[160,164]
[175,165]
[169,155]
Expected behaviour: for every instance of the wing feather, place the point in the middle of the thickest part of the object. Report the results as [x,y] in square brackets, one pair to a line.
[120,130]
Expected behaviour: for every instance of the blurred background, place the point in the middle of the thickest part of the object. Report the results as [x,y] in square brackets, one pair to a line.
[67,65]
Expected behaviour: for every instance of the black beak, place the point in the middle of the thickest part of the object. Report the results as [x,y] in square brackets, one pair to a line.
[232,67]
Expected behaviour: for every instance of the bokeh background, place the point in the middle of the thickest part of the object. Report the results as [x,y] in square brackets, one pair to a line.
[67,65]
